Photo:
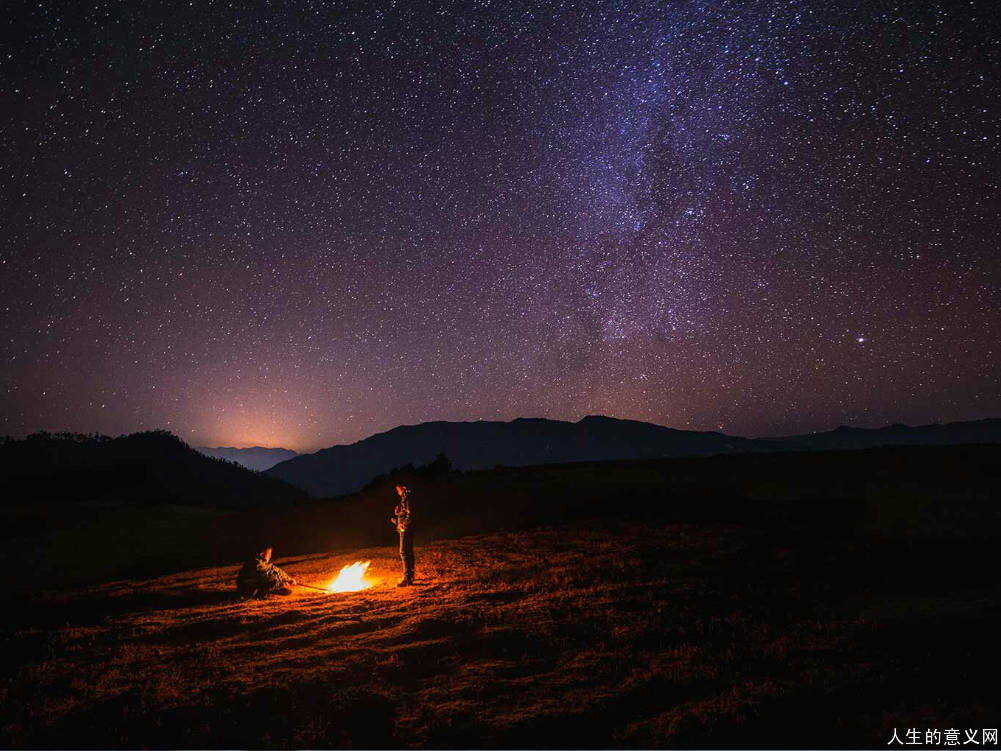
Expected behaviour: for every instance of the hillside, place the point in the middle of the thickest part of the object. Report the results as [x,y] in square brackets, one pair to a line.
[340,470]
[930,493]
[578,636]
[257,458]
[141,468]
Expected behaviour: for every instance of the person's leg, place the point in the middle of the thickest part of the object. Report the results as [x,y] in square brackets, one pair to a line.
[246,590]
[403,552]
[408,560]
[277,588]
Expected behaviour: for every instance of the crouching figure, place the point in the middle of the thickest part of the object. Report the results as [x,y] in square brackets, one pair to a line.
[260,577]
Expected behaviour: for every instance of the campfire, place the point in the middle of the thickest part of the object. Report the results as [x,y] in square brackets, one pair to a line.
[352,578]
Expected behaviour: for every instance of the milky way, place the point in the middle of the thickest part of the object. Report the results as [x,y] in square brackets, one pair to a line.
[301,224]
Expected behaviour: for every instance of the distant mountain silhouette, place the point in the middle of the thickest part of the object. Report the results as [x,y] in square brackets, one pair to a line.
[481,445]
[975,431]
[141,468]
[257,458]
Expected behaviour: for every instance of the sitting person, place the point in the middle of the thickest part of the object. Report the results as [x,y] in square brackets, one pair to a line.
[259,577]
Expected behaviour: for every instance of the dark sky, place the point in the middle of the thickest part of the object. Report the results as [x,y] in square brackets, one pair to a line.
[299,224]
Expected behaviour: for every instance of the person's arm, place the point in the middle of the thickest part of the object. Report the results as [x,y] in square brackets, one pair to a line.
[270,572]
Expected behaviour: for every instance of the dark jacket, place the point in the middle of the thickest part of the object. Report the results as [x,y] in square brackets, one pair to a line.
[259,575]
[402,517]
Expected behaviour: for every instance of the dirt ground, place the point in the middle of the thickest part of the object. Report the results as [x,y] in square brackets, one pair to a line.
[587,636]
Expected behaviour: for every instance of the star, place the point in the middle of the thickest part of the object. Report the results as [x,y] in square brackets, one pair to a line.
[301,229]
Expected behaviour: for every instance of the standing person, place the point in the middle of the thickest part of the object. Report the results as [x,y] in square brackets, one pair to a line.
[259,576]
[403,525]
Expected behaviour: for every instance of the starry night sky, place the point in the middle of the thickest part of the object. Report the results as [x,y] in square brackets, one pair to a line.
[299,224]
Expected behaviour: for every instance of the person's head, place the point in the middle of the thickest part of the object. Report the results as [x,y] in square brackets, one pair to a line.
[266,554]
[402,490]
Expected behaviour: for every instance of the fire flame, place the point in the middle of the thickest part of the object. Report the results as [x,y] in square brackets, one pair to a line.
[352,578]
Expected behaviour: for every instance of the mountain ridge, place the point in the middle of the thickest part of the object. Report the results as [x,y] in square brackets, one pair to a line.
[142,468]
[482,444]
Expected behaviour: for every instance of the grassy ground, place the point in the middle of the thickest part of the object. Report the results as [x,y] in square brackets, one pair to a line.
[587,636]
[931,494]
